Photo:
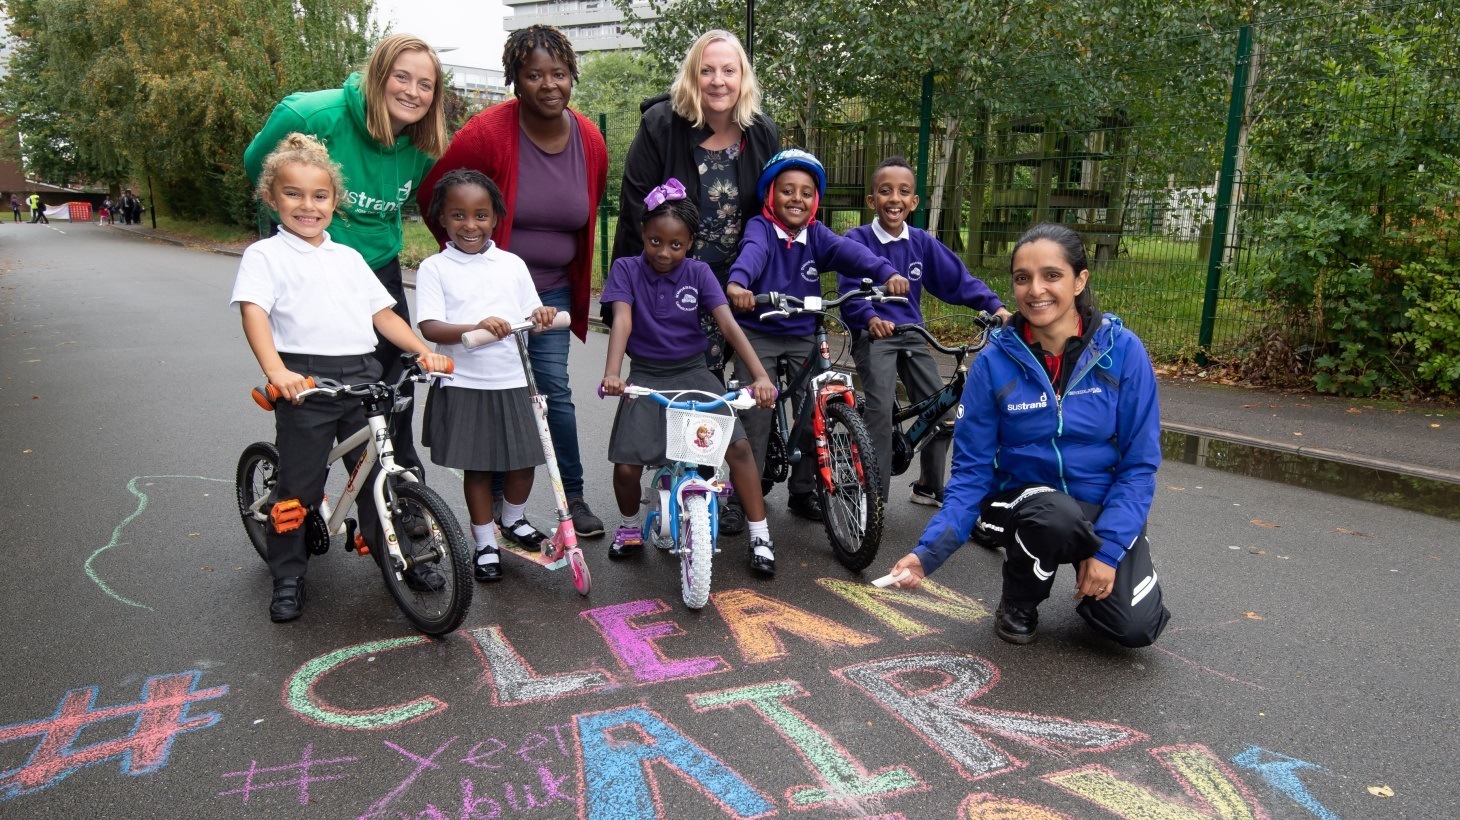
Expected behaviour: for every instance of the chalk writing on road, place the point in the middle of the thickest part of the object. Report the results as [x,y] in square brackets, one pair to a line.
[161,714]
[297,775]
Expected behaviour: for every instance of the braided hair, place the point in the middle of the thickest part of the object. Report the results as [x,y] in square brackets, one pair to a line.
[682,209]
[522,42]
[457,178]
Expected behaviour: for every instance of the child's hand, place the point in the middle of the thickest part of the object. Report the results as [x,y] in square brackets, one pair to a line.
[435,363]
[740,298]
[914,567]
[764,392]
[501,328]
[543,316]
[289,383]
[896,285]
[880,328]
[612,386]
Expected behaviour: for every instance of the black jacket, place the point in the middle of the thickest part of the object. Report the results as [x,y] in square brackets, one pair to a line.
[664,148]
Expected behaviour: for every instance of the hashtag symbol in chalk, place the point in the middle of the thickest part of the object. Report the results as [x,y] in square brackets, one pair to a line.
[304,778]
[161,715]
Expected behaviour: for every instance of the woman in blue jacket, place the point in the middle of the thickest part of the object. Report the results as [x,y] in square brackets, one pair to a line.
[1055,454]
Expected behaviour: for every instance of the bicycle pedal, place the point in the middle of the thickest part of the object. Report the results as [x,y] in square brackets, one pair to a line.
[361,547]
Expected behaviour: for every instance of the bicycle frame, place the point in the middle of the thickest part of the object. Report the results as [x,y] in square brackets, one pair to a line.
[376,438]
[931,410]
[821,386]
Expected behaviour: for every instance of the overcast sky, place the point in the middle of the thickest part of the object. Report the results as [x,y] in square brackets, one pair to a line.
[474,27]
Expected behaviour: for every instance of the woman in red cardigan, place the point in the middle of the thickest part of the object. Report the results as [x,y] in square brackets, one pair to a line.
[551,164]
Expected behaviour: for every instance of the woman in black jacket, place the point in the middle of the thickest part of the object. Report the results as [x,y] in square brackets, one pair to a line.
[709,133]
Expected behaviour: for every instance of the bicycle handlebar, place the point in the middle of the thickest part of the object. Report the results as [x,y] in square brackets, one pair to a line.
[985,321]
[741,399]
[473,339]
[787,304]
[268,395]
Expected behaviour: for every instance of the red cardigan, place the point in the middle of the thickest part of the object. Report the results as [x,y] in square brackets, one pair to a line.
[488,143]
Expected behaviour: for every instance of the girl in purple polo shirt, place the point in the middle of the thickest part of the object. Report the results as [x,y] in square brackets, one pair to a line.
[784,250]
[657,299]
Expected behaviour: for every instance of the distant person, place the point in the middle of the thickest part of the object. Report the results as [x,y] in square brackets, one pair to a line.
[37,210]
[312,307]
[385,127]
[1055,454]
[104,213]
[15,207]
[124,206]
[551,165]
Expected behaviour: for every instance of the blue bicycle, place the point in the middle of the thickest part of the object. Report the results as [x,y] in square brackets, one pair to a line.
[686,521]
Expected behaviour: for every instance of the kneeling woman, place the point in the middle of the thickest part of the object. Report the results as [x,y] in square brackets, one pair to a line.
[1055,454]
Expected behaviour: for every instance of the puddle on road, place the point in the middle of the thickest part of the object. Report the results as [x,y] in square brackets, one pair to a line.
[1421,495]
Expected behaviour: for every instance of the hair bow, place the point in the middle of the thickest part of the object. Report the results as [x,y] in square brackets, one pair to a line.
[669,191]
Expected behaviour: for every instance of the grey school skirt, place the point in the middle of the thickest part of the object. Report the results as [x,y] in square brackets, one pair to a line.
[489,431]
[639,426]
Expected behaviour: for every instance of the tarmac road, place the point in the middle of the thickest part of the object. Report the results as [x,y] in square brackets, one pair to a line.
[1310,656]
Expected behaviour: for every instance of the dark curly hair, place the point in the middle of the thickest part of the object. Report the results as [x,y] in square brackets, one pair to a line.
[522,42]
[681,209]
[457,178]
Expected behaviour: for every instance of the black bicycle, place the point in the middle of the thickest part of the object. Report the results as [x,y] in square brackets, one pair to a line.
[851,495]
[927,414]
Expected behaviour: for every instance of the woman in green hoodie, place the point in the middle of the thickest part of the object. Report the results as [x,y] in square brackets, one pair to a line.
[386,128]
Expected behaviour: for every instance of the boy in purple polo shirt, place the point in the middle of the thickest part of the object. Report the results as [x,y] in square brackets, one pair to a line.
[657,299]
[883,357]
[784,250]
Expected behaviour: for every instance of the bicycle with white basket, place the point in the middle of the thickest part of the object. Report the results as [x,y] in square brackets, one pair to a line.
[686,521]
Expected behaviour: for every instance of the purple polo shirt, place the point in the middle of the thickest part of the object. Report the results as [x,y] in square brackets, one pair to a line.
[666,306]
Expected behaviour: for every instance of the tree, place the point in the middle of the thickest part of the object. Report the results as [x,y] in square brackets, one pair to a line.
[615,84]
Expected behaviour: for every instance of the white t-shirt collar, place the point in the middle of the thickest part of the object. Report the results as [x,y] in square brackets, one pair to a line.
[884,237]
[800,237]
[455,254]
[298,243]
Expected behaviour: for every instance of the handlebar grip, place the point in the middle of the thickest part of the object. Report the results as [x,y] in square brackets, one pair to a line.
[450,367]
[765,298]
[473,339]
[268,395]
[560,321]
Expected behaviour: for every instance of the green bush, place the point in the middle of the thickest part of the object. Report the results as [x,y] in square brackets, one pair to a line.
[1432,290]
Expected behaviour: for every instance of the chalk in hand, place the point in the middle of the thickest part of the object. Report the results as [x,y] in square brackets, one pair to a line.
[891,578]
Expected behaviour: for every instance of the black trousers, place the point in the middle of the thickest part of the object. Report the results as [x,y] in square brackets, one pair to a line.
[403,432]
[304,434]
[1041,528]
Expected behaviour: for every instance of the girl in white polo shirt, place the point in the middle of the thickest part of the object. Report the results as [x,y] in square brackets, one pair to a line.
[482,423]
[311,307]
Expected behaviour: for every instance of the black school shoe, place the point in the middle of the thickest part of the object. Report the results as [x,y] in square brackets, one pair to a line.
[763,564]
[732,517]
[288,602]
[806,505]
[489,572]
[1016,625]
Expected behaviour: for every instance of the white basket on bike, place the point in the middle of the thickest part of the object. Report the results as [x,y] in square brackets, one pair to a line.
[697,437]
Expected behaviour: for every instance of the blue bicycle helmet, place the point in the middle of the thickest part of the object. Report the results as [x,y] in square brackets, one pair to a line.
[785,160]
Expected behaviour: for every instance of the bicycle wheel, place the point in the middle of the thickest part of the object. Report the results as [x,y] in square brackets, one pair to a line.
[254,485]
[851,508]
[695,551]
[444,548]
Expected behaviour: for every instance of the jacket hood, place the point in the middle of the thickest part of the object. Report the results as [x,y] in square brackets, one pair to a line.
[651,102]
[355,104]
[1103,340]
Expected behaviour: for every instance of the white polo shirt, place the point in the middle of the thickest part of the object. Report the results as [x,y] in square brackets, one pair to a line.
[320,300]
[465,288]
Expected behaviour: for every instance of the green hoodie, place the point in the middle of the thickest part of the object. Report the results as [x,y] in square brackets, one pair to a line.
[378,178]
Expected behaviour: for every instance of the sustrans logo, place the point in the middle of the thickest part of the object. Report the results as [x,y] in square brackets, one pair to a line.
[1030,405]
[810,273]
[1085,391]
[959,414]
[688,298]
[405,191]
[915,271]
[362,203]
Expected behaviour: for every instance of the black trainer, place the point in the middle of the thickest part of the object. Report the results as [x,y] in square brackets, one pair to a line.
[732,517]
[1014,624]
[424,578]
[288,602]
[806,505]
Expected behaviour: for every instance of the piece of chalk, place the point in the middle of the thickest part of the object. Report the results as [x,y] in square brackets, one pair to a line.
[891,578]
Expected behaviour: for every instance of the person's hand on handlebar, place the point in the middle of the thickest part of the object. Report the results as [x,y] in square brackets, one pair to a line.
[289,383]
[764,392]
[499,327]
[880,328]
[543,317]
[435,363]
[612,386]
[896,285]
[740,298]
[1003,315]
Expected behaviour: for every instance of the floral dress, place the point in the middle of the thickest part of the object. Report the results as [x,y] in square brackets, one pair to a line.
[720,219]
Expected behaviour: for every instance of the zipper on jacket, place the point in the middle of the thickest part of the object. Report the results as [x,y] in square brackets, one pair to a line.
[1059,402]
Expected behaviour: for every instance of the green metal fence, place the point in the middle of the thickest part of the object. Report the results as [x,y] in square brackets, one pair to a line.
[1161,154]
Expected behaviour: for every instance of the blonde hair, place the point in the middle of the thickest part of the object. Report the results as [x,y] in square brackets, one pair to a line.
[428,134]
[684,95]
[299,149]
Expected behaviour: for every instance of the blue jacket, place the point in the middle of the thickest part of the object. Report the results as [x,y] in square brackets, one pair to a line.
[1100,442]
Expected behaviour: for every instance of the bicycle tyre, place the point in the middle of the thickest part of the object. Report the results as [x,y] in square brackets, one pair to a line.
[434,612]
[258,470]
[852,508]
[696,551]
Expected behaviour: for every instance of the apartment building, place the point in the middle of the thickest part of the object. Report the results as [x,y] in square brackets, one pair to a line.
[591,25]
